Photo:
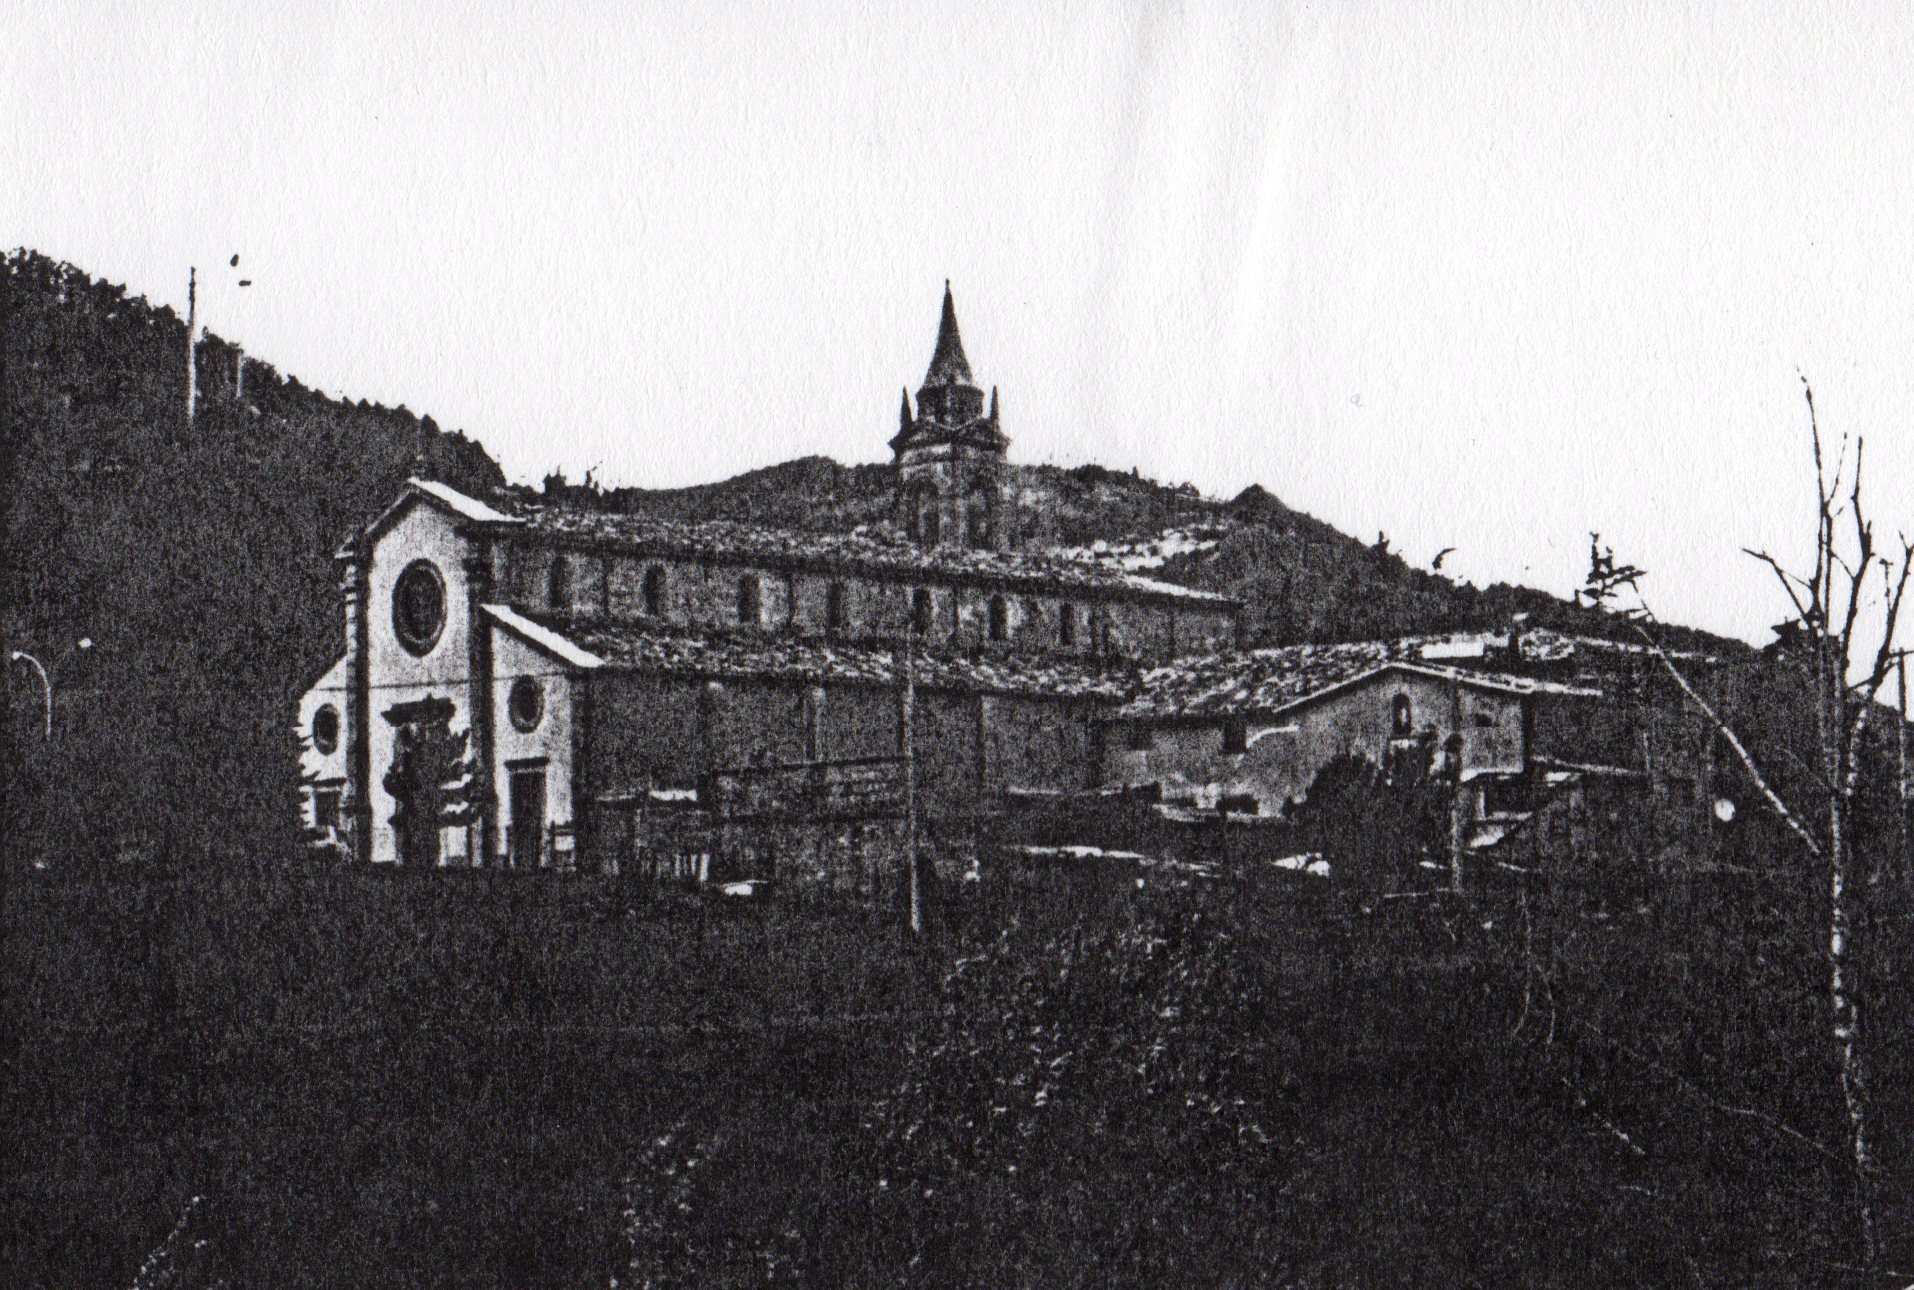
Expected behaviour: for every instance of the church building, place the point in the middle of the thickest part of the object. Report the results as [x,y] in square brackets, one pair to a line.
[516,672]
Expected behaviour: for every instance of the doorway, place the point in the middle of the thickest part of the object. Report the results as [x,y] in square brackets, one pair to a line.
[526,797]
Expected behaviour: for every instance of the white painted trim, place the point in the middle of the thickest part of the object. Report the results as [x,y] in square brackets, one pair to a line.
[543,638]
[470,508]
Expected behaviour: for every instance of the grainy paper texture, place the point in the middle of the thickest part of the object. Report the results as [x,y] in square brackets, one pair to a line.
[955,645]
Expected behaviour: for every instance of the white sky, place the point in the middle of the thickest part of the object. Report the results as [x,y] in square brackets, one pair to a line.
[1478,275]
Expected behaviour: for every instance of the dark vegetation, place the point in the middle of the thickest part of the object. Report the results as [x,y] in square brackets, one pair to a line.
[390,1078]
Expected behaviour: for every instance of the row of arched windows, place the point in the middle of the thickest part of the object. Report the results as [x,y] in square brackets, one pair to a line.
[749,604]
[558,587]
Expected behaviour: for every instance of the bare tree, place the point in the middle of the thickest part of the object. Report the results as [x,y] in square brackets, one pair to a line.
[1849,577]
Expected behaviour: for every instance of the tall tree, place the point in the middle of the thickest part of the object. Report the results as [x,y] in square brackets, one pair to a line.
[1850,582]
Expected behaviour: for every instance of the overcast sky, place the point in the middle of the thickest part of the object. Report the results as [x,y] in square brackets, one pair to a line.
[1483,276]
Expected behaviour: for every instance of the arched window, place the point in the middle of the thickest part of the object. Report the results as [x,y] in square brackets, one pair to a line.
[836,618]
[924,515]
[923,611]
[654,591]
[999,619]
[749,604]
[558,586]
[981,517]
[1401,716]
[1067,625]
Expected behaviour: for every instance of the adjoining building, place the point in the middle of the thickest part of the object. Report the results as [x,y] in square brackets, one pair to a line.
[514,670]
[1252,729]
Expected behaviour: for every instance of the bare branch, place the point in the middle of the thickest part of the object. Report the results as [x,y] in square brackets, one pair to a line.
[1789,582]
[1746,758]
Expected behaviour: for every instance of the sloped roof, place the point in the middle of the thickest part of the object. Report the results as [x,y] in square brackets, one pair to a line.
[1266,681]
[543,637]
[750,543]
[470,508]
[627,647]
[858,552]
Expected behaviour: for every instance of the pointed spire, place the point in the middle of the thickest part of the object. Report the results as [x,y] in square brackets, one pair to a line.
[993,405]
[903,413]
[948,366]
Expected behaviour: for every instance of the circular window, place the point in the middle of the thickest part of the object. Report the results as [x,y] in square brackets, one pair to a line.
[325,728]
[418,607]
[526,704]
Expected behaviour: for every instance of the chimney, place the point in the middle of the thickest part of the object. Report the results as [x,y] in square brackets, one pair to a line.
[1518,624]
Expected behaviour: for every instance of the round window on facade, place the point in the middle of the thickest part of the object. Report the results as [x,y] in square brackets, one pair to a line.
[418,607]
[526,704]
[325,729]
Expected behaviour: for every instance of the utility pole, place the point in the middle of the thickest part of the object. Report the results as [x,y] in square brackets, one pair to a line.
[192,342]
[907,724]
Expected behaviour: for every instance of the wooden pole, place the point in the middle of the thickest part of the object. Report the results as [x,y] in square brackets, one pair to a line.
[192,342]
[907,726]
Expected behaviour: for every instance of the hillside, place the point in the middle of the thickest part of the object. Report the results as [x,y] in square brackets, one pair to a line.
[200,563]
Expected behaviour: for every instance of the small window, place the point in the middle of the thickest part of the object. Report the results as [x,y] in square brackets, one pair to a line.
[326,803]
[923,610]
[1235,738]
[558,585]
[814,723]
[325,729]
[1067,625]
[836,619]
[750,607]
[418,607]
[978,512]
[999,619]
[1401,716]
[1139,738]
[654,591]
[923,517]
[525,703]
[1484,721]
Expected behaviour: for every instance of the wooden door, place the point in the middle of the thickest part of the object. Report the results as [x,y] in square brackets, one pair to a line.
[527,800]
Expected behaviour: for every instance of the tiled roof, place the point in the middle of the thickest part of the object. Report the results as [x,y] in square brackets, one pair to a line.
[851,552]
[861,552]
[632,648]
[1268,680]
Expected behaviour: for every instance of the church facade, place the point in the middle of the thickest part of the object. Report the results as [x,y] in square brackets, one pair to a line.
[514,670]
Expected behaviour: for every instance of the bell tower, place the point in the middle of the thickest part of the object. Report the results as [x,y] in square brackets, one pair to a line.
[950,453]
